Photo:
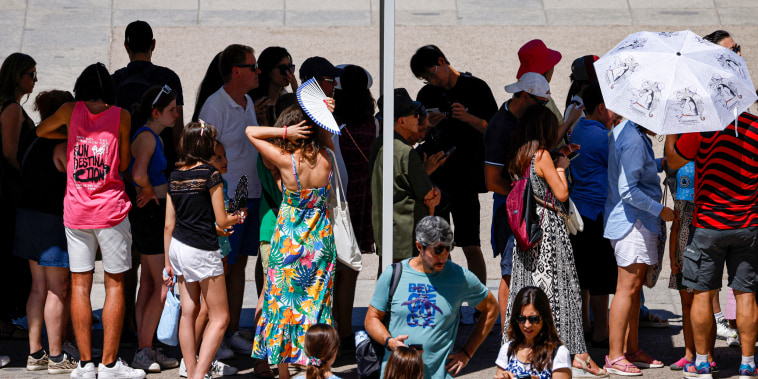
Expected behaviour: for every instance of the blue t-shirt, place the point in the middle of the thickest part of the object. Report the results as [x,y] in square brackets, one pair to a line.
[590,168]
[427,308]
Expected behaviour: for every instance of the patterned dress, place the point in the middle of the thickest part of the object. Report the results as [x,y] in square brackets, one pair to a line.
[299,285]
[549,265]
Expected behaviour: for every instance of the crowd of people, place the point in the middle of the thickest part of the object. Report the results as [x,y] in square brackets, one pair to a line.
[114,173]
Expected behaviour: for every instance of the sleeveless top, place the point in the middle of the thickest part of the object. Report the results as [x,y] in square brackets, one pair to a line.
[10,176]
[95,196]
[158,162]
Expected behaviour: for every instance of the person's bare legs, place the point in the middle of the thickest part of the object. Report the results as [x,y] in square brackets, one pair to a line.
[56,317]
[214,293]
[623,310]
[586,324]
[152,294]
[476,263]
[747,318]
[284,370]
[701,315]
[201,320]
[81,313]
[113,316]
[35,306]
[235,287]
[502,299]
[130,292]
[189,299]
[689,341]
[344,296]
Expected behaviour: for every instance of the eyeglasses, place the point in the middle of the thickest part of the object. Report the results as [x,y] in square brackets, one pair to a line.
[439,249]
[32,74]
[166,89]
[253,67]
[428,75]
[328,80]
[736,48]
[538,100]
[521,319]
[284,68]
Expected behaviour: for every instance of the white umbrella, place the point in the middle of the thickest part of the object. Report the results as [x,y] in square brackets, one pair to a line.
[675,82]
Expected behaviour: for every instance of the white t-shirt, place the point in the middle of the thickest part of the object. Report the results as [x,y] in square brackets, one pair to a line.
[562,360]
[231,120]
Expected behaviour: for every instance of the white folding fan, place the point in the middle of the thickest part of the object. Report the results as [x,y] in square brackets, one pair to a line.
[311,98]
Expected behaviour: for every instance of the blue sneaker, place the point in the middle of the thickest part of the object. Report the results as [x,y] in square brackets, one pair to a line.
[702,371]
[748,372]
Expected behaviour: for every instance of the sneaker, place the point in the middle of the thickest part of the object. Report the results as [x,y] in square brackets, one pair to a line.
[145,359]
[73,351]
[33,364]
[219,368]
[4,360]
[164,361]
[733,341]
[239,344]
[86,372]
[723,331]
[748,372]
[67,365]
[224,351]
[702,371]
[120,371]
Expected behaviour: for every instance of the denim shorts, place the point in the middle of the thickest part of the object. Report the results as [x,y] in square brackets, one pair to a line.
[245,239]
[704,258]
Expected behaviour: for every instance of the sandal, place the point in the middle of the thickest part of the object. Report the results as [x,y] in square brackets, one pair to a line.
[584,371]
[262,370]
[679,365]
[623,369]
[652,320]
[648,363]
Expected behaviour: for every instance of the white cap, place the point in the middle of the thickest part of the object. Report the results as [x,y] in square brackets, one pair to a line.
[531,83]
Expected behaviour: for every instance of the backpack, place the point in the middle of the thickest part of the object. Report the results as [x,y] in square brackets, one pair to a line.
[368,352]
[522,216]
[129,93]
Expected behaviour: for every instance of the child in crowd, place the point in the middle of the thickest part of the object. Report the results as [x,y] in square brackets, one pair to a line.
[404,363]
[321,345]
[195,201]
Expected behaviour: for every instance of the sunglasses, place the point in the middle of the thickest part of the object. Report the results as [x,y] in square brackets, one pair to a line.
[736,48]
[166,89]
[253,67]
[521,319]
[439,249]
[538,100]
[32,74]
[285,68]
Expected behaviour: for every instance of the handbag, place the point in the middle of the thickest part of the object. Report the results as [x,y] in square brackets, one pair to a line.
[574,224]
[348,251]
[168,327]
[522,215]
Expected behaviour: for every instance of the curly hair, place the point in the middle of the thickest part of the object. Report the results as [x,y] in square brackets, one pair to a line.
[547,340]
[308,146]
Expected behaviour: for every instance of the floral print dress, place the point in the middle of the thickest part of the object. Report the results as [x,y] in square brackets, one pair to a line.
[299,286]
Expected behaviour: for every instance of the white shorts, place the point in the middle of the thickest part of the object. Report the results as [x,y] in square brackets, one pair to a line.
[193,263]
[115,247]
[639,245]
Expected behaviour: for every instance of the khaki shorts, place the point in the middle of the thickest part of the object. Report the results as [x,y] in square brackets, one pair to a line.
[115,245]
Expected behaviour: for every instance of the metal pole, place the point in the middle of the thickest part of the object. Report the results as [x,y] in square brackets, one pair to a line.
[387,81]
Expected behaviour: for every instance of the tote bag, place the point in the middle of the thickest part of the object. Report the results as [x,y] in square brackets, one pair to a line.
[168,327]
[348,251]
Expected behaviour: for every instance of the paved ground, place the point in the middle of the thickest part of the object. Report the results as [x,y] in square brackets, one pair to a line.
[481,36]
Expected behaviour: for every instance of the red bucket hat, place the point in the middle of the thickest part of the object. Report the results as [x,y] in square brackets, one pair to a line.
[536,57]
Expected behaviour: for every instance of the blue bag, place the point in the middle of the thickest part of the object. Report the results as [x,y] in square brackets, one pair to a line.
[168,327]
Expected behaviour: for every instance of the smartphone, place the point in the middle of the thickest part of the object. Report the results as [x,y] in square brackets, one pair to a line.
[572,155]
[523,376]
[447,153]
[416,346]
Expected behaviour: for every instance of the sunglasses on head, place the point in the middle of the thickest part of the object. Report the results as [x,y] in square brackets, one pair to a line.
[166,89]
[252,67]
[285,68]
[521,319]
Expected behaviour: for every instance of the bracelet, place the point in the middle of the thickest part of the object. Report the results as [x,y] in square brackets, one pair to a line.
[464,352]
[285,132]
[561,169]
[387,343]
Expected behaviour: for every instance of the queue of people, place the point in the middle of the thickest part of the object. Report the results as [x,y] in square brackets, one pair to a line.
[113,172]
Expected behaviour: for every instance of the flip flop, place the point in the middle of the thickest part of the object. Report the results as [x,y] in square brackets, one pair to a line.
[648,363]
[623,369]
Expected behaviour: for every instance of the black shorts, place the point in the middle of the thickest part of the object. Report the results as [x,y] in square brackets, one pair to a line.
[464,206]
[704,258]
[147,227]
[594,258]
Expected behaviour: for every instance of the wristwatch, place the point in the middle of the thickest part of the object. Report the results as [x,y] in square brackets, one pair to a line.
[387,343]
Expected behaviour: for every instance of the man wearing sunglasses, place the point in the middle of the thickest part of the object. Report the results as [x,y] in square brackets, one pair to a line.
[723,38]
[459,107]
[425,308]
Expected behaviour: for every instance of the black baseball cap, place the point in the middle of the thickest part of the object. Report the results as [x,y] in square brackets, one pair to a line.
[404,105]
[138,36]
[318,67]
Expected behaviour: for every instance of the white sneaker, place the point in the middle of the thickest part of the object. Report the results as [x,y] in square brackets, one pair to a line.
[73,351]
[239,344]
[722,329]
[733,341]
[224,351]
[219,368]
[120,371]
[86,372]
[145,359]
[4,360]
[164,361]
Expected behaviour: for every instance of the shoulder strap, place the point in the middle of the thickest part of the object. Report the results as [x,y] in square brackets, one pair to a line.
[397,271]
[294,170]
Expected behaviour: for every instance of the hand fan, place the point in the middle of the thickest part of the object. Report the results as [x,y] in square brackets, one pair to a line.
[311,99]
[239,200]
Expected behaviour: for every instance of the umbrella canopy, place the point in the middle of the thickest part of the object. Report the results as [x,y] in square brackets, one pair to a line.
[675,82]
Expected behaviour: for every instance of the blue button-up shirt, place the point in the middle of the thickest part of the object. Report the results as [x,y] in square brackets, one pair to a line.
[634,189]
[590,168]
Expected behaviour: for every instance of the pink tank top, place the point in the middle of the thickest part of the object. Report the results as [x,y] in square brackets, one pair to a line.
[95,196]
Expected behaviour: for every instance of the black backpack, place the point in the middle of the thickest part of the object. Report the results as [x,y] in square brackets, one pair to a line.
[370,353]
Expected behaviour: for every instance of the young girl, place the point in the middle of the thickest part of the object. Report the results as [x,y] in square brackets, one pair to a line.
[321,345]
[534,347]
[195,200]
[404,363]
[158,107]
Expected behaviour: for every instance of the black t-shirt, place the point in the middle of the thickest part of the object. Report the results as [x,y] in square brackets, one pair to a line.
[498,136]
[464,169]
[190,194]
[156,76]
[42,185]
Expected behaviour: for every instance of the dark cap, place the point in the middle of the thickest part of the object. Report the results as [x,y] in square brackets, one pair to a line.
[404,105]
[318,67]
[584,69]
[138,36]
